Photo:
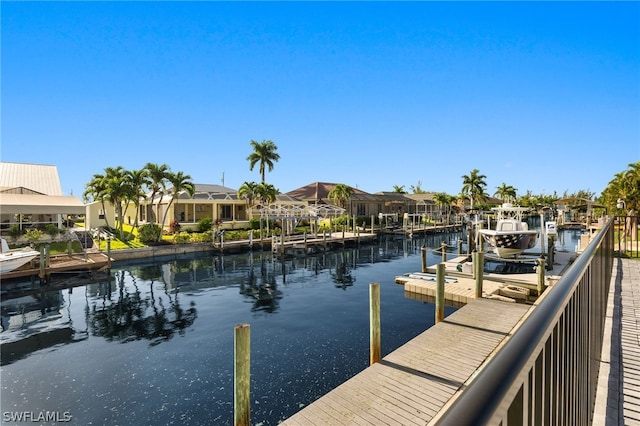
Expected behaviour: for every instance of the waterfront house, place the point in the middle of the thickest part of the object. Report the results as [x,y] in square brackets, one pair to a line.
[31,196]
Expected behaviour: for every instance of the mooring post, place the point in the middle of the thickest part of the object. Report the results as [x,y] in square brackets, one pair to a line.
[241,375]
[42,263]
[469,237]
[423,253]
[459,246]
[69,248]
[440,268]
[109,252]
[479,267]
[324,239]
[374,323]
[305,241]
[474,263]
[540,271]
[443,247]
[372,223]
[551,250]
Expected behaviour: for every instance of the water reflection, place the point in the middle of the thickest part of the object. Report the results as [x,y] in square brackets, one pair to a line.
[135,314]
[310,332]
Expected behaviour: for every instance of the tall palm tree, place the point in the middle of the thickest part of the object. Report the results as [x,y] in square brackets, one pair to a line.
[96,190]
[117,193]
[473,186]
[399,189]
[506,193]
[340,194]
[264,153]
[442,200]
[138,180]
[180,183]
[157,175]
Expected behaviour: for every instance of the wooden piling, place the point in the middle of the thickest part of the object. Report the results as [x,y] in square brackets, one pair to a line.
[423,253]
[443,248]
[479,272]
[440,268]
[374,323]
[460,247]
[540,271]
[241,376]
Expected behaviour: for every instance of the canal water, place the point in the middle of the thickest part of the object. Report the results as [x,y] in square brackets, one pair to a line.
[154,345]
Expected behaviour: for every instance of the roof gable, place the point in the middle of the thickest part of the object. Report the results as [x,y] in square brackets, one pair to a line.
[40,178]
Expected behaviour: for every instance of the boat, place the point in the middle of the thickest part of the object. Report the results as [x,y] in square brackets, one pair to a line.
[511,236]
[13,259]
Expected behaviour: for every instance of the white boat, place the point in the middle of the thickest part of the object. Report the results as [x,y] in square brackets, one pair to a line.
[511,236]
[13,259]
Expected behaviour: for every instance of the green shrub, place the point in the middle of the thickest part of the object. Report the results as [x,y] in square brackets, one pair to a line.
[181,237]
[15,232]
[34,235]
[205,224]
[254,223]
[149,233]
[201,237]
[52,230]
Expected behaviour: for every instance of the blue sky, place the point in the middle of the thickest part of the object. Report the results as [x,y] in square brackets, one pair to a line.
[543,96]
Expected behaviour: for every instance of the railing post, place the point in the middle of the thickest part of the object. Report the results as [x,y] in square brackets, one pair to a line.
[440,268]
[374,323]
[241,376]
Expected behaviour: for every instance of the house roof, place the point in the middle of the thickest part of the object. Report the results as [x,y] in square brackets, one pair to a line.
[318,191]
[40,178]
[40,204]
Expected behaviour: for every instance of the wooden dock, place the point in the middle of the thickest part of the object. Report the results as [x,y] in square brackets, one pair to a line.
[62,264]
[413,383]
[410,385]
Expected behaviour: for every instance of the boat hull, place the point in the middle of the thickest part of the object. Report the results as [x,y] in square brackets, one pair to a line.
[509,244]
[13,260]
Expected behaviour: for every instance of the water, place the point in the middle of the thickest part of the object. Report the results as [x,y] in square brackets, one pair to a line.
[155,345]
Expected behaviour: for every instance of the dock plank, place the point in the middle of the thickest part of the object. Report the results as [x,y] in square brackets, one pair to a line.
[411,384]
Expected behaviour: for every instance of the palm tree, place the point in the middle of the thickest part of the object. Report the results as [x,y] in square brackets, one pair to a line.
[473,186]
[266,192]
[340,194]
[399,189]
[137,180]
[180,183]
[157,175]
[441,199]
[418,188]
[96,190]
[117,192]
[263,153]
[248,191]
[506,193]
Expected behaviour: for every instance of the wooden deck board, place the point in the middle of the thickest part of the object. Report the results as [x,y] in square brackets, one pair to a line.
[410,385]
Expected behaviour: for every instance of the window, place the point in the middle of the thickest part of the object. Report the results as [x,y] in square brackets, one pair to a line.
[361,209]
[225,212]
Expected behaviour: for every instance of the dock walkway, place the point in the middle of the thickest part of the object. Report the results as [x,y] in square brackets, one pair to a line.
[618,395]
[411,384]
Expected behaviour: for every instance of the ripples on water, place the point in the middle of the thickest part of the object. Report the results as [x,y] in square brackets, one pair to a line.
[155,344]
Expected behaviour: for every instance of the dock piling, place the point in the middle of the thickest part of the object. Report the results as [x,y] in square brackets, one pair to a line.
[478,266]
[540,271]
[374,323]
[423,253]
[241,376]
[440,269]
[443,247]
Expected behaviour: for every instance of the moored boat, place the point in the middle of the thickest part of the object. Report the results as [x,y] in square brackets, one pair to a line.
[13,259]
[511,236]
